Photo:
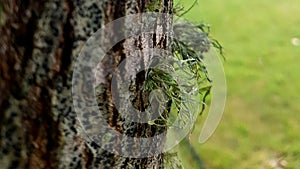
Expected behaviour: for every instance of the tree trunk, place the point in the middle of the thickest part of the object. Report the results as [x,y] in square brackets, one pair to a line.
[40,41]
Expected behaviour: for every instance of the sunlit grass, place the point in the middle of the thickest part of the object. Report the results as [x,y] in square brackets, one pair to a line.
[262,116]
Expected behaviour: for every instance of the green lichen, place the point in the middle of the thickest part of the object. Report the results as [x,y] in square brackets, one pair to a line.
[153,6]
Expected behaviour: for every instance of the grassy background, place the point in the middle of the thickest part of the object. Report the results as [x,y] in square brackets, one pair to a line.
[261,122]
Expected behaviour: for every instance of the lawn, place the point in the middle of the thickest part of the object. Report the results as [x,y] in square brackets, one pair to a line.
[260,128]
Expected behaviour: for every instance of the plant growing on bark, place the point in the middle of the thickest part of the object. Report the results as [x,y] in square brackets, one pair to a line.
[40,42]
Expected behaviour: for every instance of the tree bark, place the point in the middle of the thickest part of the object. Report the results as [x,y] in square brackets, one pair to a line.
[40,41]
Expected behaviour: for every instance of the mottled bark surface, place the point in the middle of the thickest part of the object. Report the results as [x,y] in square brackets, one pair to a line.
[40,41]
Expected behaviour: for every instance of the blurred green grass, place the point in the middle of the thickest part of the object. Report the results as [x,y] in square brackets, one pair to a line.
[261,122]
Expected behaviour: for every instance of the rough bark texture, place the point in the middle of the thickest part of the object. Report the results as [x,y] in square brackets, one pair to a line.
[40,41]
